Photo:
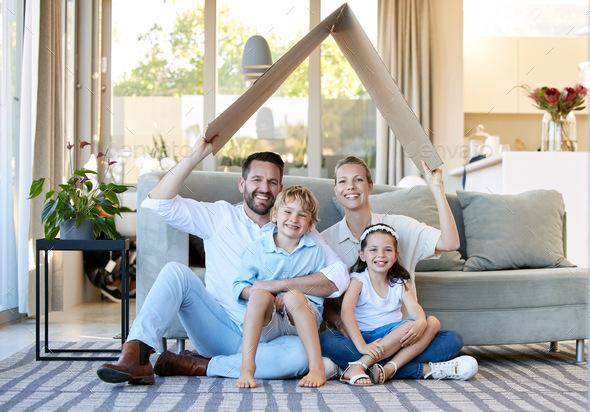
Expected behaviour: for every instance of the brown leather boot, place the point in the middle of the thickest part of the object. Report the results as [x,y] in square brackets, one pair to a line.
[133,365]
[171,364]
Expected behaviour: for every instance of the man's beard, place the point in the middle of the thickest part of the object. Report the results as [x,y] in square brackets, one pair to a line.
[261,210]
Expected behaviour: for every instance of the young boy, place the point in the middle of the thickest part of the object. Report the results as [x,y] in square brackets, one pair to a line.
[287,252]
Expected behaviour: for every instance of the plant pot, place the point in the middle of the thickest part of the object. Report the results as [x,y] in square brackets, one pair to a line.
[126,224]
[69,231]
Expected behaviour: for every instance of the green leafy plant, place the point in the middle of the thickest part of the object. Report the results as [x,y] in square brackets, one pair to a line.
[82,197]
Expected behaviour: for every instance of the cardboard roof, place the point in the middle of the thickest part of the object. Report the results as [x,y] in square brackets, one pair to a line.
[364,59]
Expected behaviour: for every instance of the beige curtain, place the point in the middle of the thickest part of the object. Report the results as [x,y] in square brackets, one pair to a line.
[404,46]
[48,157]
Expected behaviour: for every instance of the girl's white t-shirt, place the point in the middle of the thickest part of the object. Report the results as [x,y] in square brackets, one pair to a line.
[372,311]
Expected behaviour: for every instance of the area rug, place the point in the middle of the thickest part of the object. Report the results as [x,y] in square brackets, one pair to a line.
[510,377]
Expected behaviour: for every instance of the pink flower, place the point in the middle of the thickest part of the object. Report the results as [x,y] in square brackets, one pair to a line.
[558,103]
[571,95]
[112,162]
[70,146]
[535,96]
[84,143]
[552,95]
[581,90]
[100,154]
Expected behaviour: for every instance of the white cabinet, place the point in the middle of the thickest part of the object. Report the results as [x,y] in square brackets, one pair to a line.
[494,66]
[548,61]
[517,172]
[489,74]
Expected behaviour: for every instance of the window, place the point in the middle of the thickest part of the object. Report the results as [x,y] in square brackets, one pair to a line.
[157,77]
[280,125]
[157,83]
[11,15]
[348,113]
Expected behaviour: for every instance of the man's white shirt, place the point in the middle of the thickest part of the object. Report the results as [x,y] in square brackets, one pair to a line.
[226,231]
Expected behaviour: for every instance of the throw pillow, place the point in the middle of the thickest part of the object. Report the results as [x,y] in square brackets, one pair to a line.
[513,231]
[416,202]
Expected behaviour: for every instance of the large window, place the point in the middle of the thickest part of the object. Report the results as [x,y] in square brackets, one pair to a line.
[348,113]
[157,72]
[157,78]
[280,125]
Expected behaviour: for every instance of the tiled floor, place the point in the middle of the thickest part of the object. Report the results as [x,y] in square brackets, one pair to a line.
[90,321]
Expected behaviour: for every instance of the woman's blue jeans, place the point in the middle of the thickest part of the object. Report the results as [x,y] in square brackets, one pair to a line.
[445,345]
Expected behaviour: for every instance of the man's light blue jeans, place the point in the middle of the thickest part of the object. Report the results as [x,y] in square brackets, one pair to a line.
[445,345]
[178,291]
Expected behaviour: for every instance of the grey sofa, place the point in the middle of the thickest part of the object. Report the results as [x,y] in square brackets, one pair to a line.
[486,307]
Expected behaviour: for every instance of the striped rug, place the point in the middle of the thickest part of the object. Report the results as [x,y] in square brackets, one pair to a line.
[510,378]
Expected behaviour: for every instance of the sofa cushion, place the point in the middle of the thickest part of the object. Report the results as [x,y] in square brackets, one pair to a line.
[502,289]
[513,231]
[416,202]
[508,306]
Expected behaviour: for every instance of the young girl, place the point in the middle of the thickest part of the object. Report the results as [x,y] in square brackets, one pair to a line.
[371,311]
[353,185]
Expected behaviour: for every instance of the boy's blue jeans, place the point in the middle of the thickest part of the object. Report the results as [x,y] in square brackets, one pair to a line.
[445,345]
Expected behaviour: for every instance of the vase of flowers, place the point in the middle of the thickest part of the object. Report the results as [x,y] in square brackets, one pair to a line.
[559,123]
[82,197]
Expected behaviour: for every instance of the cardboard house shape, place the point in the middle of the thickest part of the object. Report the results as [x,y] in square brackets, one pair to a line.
[364,59]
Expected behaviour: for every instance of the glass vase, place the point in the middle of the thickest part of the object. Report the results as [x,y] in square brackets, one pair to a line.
[559,135]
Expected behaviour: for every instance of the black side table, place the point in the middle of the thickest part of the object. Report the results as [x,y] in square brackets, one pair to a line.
[46,245]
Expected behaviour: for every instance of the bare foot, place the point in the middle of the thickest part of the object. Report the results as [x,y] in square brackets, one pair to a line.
[354,370]
[246,379]
[314,379]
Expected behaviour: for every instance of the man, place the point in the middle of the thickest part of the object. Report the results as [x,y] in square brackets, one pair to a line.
[211,316]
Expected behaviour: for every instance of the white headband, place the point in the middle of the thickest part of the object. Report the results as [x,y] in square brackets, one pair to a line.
[379,227]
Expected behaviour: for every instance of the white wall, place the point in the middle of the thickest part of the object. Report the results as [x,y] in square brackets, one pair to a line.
[447,85]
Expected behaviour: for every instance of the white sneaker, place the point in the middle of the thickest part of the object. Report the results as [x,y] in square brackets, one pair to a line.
[461,369]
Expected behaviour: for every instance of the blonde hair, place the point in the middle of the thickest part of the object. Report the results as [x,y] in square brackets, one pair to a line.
[301,195]
[353,160]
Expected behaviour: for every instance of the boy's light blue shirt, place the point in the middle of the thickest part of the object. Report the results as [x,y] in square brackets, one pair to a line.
[263,260]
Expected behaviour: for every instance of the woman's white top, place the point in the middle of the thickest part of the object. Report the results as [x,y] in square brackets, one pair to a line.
[417,241]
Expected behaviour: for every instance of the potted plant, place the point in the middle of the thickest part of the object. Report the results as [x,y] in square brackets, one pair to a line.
[80,198]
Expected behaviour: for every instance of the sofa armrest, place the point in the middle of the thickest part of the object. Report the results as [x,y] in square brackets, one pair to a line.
[157,242]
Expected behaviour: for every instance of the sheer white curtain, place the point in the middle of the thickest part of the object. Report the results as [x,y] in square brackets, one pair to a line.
[404,45]
[28,115]
[9,97]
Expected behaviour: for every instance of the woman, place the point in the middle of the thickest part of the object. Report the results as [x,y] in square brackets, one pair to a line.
[352,185]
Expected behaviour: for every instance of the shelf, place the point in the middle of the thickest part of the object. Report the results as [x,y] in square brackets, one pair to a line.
[480,164]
